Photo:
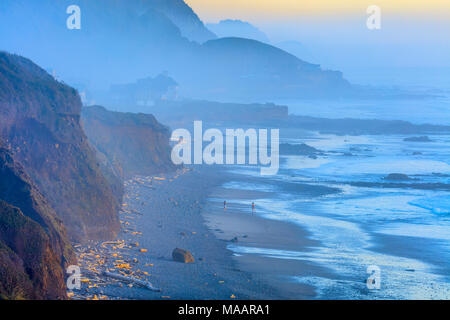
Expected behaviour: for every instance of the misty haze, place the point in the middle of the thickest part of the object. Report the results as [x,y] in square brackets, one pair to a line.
[311,151]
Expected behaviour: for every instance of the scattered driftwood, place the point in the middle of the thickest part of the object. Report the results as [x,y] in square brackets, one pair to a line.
[138,282]
[183,256]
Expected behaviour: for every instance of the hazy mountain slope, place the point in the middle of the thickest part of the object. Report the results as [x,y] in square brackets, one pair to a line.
[185,19]
[299,50]
[34,249]
[119,41]
[40,123]
[237,28]
[247,68]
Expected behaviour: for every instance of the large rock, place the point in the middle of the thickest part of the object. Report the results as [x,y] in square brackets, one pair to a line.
[418,139]
[34,249]
[40,124]
[184,18]
[181,255]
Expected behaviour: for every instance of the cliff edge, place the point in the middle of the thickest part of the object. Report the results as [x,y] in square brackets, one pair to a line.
[40,124]
[34,249]
[129,143]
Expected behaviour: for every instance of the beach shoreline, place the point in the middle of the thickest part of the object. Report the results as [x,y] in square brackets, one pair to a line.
[175,211]
[299,251]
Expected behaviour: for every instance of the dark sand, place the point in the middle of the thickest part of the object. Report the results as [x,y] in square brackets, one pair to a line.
[238,221]
[175,212]
[172,218]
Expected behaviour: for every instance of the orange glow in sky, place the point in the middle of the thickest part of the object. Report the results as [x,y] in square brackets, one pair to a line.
[212,10]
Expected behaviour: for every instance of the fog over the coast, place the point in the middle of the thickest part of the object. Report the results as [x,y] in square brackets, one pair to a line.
[224,150]
[334,35]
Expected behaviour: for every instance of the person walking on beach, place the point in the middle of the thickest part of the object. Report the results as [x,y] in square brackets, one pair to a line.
[253,207]
[225,205]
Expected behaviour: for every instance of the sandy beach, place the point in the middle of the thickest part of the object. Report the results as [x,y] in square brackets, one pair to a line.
[175,211]
[306,239]
[247,229]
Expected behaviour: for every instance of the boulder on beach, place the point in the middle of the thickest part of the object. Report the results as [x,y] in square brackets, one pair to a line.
[181,255]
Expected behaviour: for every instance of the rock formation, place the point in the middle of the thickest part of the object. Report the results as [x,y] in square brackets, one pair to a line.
[40,124]
[34,249]
[129,143]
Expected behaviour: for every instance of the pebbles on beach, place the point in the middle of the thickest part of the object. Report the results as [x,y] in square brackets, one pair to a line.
[158,226]
[116,264]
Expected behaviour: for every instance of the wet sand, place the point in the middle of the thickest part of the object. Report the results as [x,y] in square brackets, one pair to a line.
[173,211]
[243,225]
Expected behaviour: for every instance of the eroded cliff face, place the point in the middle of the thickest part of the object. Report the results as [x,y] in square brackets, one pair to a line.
[40,124]
[129,143]
[34,248]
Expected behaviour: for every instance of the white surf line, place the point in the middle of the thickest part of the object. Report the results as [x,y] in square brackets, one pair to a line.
[345,252]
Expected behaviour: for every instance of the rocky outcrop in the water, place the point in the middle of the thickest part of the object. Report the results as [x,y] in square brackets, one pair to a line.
[128,143]
[397,177]
[40,124]
[298,150]
[34,249]
[418,139]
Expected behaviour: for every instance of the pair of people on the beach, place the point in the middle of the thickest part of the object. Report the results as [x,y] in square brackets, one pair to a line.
[225,206]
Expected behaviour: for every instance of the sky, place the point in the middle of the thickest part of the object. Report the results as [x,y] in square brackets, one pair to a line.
[414,34]
[212,10]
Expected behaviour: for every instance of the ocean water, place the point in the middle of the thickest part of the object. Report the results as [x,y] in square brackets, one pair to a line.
[403,229]
[427,110]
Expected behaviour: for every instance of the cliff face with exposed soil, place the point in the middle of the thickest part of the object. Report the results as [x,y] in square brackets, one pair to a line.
[40,124]
[34,249]
[128,143]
